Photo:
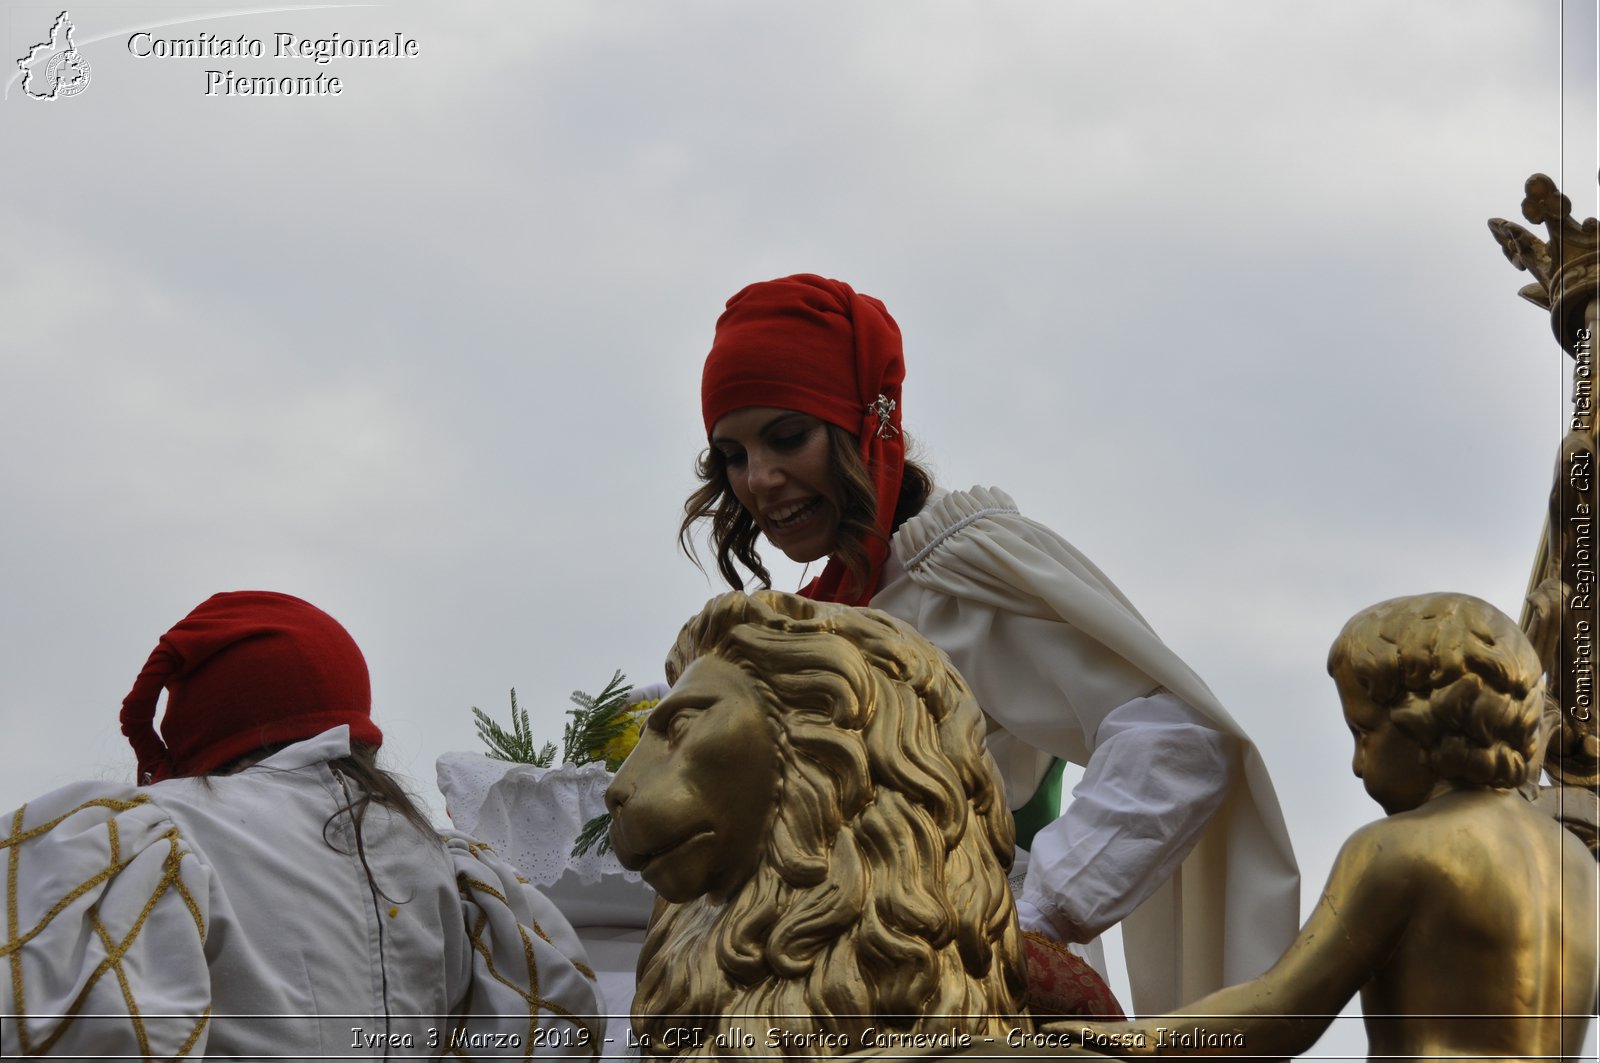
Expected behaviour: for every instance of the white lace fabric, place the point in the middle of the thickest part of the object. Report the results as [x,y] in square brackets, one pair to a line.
[531,816]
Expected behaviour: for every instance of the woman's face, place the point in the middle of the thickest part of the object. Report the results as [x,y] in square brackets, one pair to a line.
[780,466]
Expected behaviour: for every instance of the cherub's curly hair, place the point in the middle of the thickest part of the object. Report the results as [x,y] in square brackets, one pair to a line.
[882,898]
[1457,676]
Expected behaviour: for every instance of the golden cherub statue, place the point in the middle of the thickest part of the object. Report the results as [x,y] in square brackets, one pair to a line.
[830,840]
[1466,917]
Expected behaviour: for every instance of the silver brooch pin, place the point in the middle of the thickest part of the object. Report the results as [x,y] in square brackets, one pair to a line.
[884,407]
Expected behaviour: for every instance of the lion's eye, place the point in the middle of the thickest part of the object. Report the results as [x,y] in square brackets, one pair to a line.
[678,724]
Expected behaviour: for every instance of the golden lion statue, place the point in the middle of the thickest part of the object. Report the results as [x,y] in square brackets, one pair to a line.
[814,804]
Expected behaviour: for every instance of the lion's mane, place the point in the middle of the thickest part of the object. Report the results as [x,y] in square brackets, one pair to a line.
[881,900]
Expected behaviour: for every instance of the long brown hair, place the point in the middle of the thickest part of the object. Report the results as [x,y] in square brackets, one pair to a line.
[734,532]
[380,788]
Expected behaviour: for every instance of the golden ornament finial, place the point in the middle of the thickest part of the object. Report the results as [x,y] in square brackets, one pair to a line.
[1559,610]
[1567,266]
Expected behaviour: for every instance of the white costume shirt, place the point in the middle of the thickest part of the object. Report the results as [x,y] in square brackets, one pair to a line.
[1175,824]
[197,917]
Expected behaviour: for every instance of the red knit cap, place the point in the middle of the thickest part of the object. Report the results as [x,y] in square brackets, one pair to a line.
[246,669]
[816,345]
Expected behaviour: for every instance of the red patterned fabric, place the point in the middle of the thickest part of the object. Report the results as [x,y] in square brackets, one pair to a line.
[816,345]
[245,669]
[1062,985]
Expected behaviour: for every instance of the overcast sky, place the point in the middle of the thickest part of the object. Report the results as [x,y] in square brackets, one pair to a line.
[1206,286]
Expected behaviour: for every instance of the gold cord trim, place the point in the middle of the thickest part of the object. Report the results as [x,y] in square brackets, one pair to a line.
[115,951]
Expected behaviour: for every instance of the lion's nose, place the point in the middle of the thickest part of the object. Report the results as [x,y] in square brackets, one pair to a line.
[616,797]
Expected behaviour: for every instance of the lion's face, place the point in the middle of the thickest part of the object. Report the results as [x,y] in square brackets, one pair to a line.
[690,805]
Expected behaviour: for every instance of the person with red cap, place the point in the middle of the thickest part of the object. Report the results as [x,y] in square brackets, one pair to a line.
[266,890]
[1174,831]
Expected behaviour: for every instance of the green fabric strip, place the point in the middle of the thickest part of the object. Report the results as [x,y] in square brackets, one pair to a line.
[1042,808]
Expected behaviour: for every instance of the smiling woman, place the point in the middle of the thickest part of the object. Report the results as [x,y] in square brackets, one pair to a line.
[779,465]
[774,385]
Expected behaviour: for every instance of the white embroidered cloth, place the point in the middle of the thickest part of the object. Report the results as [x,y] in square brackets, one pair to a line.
[532,816]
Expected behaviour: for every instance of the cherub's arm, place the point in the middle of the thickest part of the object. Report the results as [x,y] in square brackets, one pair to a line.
[1363,910]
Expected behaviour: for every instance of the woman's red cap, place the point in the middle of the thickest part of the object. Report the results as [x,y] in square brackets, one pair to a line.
[246,669]
[816,345]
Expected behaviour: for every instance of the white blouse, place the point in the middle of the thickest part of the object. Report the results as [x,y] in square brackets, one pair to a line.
[1174,830]
[241,916]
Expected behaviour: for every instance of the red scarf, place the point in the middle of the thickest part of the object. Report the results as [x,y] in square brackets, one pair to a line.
[245,669]
[816,345]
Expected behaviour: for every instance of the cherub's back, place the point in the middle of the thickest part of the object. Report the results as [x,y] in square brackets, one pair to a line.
[1500,937]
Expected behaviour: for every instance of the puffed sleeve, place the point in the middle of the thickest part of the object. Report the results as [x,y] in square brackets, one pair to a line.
[106,919]
[1157,775]
[531,979]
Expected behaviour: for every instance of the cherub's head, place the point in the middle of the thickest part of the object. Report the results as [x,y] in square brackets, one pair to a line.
[1438,688]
